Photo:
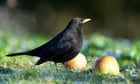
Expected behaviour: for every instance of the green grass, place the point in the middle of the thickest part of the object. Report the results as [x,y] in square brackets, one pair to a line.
[21,70]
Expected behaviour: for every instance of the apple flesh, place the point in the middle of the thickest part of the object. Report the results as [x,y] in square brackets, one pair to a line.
[78,63]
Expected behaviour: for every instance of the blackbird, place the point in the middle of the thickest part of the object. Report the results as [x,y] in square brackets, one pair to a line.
[63,47]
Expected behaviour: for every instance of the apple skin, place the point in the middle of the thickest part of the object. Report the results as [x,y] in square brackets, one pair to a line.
[78,63]
[106,65]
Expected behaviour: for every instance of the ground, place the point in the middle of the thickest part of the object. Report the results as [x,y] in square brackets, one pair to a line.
[21,70]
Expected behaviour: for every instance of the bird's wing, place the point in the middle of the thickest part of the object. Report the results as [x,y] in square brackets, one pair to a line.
[58,46]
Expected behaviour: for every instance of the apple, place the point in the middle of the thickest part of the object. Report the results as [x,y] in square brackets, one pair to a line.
[106,65]
[78,63]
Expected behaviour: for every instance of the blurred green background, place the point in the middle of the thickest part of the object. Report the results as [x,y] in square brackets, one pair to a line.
[116,18]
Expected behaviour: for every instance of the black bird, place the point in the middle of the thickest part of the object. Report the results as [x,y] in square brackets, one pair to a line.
[63,47]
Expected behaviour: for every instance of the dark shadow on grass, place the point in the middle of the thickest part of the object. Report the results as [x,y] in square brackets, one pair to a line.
[5,74]
[67,76]
[5,70]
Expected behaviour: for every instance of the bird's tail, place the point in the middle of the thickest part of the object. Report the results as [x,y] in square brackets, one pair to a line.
[16,54]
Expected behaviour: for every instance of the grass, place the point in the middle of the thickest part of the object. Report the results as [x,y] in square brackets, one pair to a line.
[21,70]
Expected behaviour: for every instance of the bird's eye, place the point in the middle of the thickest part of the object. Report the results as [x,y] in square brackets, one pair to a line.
[81,21]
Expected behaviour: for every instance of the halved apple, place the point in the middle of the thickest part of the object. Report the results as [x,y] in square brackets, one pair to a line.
[77,63]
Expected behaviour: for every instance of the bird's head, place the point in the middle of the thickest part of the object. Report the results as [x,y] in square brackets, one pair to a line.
[78,22]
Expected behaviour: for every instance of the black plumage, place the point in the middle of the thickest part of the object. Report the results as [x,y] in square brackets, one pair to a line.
[63,47]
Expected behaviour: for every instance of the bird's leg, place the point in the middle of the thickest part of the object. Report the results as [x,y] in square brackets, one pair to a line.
[56,67]
[66,68]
